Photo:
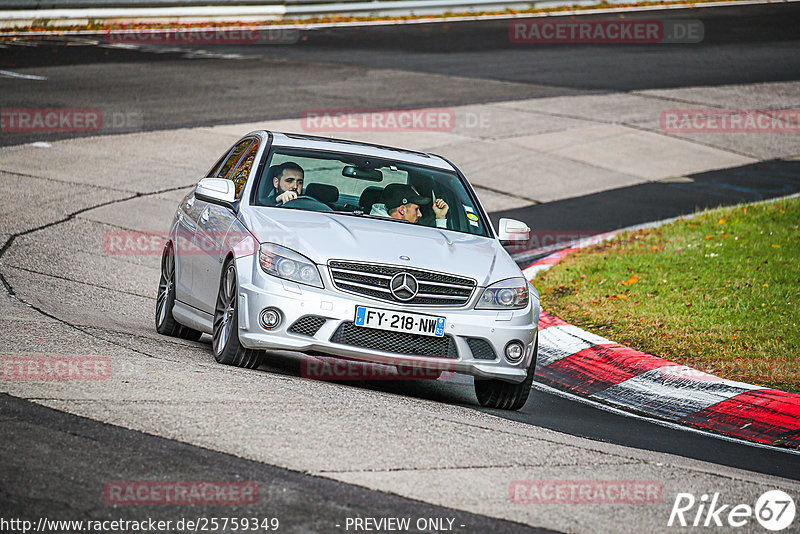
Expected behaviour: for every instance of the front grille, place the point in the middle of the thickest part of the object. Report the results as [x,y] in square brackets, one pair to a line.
[397,342]
[307,326]
[372,280]
[481,349]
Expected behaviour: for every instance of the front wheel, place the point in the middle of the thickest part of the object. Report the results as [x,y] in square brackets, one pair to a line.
[506,395]
[226,346]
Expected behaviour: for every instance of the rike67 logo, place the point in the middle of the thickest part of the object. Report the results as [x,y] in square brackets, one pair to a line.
[774,510]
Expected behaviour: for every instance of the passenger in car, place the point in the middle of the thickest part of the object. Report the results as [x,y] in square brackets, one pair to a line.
[401,201]
[287,183]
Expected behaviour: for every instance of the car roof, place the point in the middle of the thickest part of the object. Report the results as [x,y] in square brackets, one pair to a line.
[291,140]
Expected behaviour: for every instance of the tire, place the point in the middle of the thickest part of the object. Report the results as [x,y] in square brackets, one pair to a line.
[225,339]
[506,395]
[165,301]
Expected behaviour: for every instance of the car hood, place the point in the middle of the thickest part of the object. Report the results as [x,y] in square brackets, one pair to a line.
[323,236]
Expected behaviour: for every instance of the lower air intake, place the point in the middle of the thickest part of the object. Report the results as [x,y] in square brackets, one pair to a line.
[307,326]
[481,349]
[397,342]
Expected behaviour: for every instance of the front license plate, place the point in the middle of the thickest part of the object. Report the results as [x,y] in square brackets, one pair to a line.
[412,323]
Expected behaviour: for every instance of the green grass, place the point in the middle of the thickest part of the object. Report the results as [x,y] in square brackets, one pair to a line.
[719,292]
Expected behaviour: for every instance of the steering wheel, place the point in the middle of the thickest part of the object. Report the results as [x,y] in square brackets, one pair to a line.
[306,202]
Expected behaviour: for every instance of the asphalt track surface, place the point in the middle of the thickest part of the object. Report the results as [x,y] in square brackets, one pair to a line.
[450,64]
[408,66]
[643,203]
[92,453]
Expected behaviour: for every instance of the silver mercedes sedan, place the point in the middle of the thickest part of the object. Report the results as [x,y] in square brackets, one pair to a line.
[360,252]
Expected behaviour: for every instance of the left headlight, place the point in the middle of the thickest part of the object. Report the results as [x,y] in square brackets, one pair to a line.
[511,294]
[286,263]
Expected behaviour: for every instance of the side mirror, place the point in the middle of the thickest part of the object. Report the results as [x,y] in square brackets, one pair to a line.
[513,232]
[217,191]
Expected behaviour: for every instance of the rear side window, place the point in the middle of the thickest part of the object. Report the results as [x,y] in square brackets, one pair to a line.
[227,167]
[242,170]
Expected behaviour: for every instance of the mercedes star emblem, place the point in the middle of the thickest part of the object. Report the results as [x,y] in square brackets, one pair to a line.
[404,286]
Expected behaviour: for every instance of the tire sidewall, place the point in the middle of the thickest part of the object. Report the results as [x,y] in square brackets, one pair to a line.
[232,346]
[167,326]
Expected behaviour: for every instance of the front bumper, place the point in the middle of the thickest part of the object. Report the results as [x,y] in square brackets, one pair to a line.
[257,291]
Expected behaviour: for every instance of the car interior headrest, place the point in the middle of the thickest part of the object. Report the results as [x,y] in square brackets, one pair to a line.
[323,192]
[370,196]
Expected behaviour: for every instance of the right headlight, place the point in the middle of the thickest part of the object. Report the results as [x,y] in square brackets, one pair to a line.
[285,263]
[511,294]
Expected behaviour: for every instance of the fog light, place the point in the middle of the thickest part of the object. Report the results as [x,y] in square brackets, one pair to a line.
[514,351]
[269,318]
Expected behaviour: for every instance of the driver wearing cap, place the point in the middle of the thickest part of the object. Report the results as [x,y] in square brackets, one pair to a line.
[401,201]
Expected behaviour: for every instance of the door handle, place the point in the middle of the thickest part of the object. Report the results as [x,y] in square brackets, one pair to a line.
[190,203]
[204,216]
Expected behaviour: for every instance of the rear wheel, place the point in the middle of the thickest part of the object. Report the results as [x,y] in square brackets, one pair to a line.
[506,395]
[226,346]
[165,301]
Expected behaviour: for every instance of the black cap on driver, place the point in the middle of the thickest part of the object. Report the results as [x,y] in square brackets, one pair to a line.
[395,195]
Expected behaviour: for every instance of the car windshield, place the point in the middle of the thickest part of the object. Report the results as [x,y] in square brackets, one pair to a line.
[364,186]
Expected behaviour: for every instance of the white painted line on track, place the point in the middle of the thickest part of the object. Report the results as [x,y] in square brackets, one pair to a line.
[9,74]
